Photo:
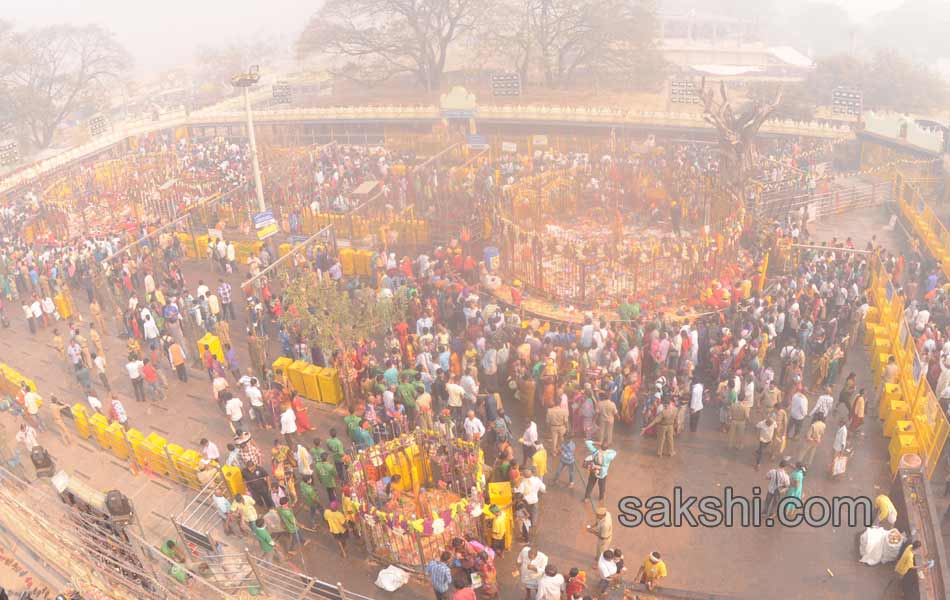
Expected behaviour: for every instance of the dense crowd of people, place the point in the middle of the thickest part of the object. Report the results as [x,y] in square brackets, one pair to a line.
[542,398]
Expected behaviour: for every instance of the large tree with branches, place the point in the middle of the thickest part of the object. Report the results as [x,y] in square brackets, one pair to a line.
[737,130]
[562,40]
[336,320]
[47,74]
[378,39]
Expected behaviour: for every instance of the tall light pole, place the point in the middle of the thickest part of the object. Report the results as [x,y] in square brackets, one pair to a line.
[244,81]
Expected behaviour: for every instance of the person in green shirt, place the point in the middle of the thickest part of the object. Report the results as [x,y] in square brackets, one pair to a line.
[172,551]
[309,497]
[316,450]
[268,547]
[352,422]
[336,447]
[289,519]
[407,395]
[327,474]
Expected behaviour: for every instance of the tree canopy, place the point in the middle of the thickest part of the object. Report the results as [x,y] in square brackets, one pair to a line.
[48,74]
[323,313]
[558,41]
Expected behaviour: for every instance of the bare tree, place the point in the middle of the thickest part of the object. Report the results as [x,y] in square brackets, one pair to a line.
[737,130]
[50,72]
[560,39]
[382,38]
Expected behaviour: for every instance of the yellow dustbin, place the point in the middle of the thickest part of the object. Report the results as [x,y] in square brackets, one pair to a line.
[892,393]
[154,450]
[295,373]
[100,425]
[214,344]
[347,261]
[81,420]
[311,382]
[234,479]
[135,438]
[120,448]
[282,364]
[898,411]
[364,262]
[331,391]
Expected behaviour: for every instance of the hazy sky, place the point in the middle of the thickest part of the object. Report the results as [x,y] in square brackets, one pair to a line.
[163,33]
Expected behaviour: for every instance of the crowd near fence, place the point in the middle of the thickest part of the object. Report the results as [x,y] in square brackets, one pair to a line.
[913,418]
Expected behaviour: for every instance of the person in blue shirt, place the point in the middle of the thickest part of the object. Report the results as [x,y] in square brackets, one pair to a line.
[598,463]
[567,461]
[391,374]
[440,575]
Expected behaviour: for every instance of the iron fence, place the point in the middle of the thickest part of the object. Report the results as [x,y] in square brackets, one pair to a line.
[779,206]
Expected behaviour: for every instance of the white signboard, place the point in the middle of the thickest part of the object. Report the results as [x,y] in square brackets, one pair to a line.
[509,147]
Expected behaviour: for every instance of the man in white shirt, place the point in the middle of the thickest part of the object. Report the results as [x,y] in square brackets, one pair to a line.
[551,585]
[288,426]
[27,437]
[841,438]
[235,411]
[695,405]
[474,429]
[824,404]
[134,369]
[530,487]
[150,330]
[209,450]
[256,399]
[607,569]
[531,565]
[797,413]
[455,393]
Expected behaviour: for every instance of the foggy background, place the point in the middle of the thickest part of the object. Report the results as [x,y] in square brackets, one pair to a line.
[168,33]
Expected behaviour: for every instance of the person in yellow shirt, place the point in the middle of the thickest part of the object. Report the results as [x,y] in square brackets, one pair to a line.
[651,571]
[539,460]
[907,566]
[499,529]
[244,506]
[337,523]
[886,513]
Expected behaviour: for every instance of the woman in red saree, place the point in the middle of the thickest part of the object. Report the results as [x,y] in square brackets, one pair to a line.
[300,412]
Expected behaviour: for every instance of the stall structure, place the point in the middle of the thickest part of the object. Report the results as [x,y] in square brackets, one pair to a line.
[438,495]
[642,238]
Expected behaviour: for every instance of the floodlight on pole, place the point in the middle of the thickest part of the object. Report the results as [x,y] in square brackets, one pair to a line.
[244,81]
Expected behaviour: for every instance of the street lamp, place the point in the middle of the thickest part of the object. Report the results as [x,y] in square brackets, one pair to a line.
[244,81]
